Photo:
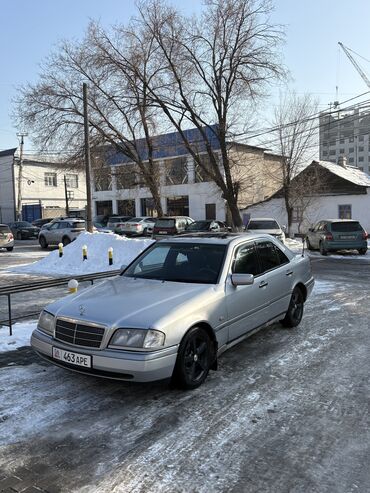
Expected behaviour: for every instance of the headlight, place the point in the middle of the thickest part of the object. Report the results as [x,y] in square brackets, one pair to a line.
[137,338]
[46,323]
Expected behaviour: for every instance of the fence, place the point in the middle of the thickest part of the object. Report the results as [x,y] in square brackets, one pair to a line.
[44,284]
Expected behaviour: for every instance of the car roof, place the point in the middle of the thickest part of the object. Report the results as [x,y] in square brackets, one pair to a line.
[263,219]
[218,238]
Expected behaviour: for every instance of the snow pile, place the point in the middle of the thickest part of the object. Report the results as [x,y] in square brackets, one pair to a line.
[294,244]
[21,336]
[124,251]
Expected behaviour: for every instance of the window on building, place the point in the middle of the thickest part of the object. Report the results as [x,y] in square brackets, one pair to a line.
[200,173]
[345,211]
[104,208]
[178,206]
[148,208]
[341,151]
[332,153]
[361,159]
[324,153]
[332,143]
[102,179]
[72,181]
[126,208]
[361,148]
[210,211]
[341,141]
[351,149]
[351,160]
[127,176]
[176,171]
[50,179]
[361,138]
[351,139]
[297,214]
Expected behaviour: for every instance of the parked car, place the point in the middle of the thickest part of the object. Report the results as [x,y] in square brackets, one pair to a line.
[23,230]
[266,225]
[6,237]
[39,223]
[171,225]
[138,226]
[103,219]
[331,235]
[61,231]
[176,308]
[115,223]
[207,225]
[101,228]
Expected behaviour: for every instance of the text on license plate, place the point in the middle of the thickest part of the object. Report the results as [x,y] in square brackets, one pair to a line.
[72,358]
[162,232]
[347,237]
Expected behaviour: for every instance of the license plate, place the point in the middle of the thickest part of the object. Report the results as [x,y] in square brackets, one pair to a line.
[162,232]
[347,237]
[72,358]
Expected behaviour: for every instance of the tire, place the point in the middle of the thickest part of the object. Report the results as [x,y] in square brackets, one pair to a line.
[194,359]
[66,241]
[295,311]
[43,243]
[362,251]
[308,244]
[322,249]
[10,249]
[18,235]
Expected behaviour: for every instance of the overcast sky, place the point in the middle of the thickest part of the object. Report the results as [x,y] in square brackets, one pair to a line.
[30,30]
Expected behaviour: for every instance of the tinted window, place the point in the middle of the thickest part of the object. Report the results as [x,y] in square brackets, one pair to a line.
[54,226]
[4,229]
[199,226]
[165,223]
[281,255]
[263,225]
[24,224]
[180,262]
[268,256]
[343,226]
[246,260]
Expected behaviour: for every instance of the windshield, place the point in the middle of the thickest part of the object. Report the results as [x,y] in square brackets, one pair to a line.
[344,227]
[263,225]
[199,226]
[179,262]
[165,223]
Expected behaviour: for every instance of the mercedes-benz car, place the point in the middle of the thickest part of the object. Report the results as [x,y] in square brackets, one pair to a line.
[176,308]
[267,225]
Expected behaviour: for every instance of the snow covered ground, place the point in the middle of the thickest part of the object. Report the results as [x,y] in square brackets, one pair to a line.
[124,250]
[21,336]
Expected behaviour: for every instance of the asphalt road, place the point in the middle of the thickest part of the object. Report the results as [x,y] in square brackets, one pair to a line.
[287,411]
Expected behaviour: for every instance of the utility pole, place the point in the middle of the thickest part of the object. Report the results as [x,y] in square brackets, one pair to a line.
[66,195]
[20,176]
[89,223]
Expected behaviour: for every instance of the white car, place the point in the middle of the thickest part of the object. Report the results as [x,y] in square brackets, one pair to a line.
[266,225]
[138,226]
[6,237]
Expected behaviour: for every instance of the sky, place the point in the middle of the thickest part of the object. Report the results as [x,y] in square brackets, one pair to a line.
[30,30]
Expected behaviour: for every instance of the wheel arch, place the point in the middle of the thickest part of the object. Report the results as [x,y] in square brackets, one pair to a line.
[303,288]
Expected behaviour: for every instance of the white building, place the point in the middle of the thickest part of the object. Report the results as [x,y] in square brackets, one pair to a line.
[184,188]
[346,134]
[42,188]
[345,194]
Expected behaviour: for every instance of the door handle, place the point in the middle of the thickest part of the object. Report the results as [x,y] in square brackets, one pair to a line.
[263,284]
[288,272]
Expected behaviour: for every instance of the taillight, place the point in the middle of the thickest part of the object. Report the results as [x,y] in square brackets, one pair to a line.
[120,225]
[10,236]
[137,226]
[365,235]
[328,237]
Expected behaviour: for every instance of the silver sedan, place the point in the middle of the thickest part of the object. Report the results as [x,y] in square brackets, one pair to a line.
[176,308]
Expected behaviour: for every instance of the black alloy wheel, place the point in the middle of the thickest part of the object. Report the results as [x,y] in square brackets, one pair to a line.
[10,249]
[194,359]
[43,242]
[295,311]
[322,249]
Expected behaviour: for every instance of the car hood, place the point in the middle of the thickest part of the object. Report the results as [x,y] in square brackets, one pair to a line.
[127,302]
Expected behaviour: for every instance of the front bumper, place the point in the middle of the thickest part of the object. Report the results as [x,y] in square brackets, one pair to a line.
[134,366]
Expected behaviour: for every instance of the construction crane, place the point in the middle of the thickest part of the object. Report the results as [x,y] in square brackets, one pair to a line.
[354,63]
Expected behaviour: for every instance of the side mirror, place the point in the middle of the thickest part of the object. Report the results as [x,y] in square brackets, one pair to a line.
[242,279]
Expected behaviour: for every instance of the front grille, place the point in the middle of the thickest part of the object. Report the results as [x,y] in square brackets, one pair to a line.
[78,334]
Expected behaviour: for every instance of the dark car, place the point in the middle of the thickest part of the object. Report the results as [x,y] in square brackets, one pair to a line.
[171,225]
[41,222]
[207,226]
[23,230]
[331,235]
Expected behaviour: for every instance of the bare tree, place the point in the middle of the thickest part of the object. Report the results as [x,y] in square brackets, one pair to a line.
[214,68]
[119,110]
[294,138]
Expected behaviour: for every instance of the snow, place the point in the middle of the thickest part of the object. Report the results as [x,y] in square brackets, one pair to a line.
[124,251]
[349,173]
[21,336]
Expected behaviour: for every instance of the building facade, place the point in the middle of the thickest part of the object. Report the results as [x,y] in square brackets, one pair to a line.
[42,188]
[184,187]
[346,134]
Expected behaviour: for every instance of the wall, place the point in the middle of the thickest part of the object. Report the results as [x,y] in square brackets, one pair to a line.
[7,210]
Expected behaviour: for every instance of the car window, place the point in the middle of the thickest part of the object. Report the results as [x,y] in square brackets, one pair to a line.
[268,256]
[281,255]
[316,228]
[165,223]
[263,225]
[78,224]
[63,225]
[54,226]
[346,226]
[246,260]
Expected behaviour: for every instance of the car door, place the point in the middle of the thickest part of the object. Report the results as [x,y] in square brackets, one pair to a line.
[51,233]
[275,279]
[244,303]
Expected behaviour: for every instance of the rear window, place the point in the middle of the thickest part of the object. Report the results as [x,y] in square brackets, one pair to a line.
[165,223]
[4,229]
[80,224]
[24,224]
[263,225]
[343,226]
